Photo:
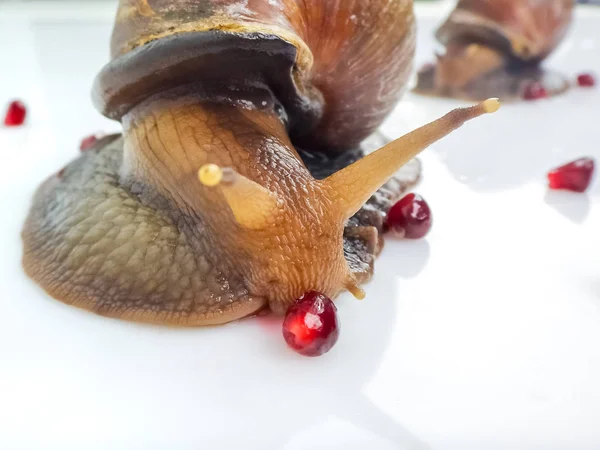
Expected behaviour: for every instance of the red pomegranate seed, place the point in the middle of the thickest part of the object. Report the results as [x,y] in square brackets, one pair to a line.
[89,142]
[586,80]
[535,91]
[15,114]
[410,217]
[574,176]
[311,327]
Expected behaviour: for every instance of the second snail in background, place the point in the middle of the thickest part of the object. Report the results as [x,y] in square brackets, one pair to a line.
[494,48]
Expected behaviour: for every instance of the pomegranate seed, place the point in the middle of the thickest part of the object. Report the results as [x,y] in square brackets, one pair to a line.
[410,217]
[574,176]
[586,80]
[15,114]
[311,327]
[535,91]
[89,142]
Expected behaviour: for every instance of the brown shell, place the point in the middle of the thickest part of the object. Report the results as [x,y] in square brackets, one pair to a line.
[337,66]
[525,29]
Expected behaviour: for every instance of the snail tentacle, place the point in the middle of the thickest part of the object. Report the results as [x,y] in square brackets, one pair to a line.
[354,185]
[253,206]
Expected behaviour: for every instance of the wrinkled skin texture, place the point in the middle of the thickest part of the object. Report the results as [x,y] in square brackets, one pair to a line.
[96,241]
[494,49]
[92,243]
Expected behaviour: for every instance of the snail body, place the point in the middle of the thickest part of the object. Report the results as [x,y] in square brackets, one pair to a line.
[496,47]
[238,182]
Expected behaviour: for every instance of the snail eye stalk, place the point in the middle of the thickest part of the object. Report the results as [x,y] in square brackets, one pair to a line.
[353,186]
[252,205]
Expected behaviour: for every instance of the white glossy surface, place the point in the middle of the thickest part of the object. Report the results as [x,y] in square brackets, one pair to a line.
[486,335]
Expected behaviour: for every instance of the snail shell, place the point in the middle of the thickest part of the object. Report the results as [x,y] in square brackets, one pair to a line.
[337,67]
[527,30]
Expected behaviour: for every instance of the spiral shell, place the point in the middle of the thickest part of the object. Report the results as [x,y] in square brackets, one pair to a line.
[338,67]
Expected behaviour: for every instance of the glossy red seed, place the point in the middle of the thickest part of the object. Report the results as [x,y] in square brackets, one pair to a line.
[88,143]
[311,327]
[574,176]
[534,91]
[410,217]
[586,80]
[15,114]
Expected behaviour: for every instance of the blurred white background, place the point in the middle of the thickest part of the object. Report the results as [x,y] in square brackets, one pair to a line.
[486,335]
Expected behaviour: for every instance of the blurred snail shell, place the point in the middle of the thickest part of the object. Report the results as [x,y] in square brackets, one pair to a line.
[239,182]
[495,47]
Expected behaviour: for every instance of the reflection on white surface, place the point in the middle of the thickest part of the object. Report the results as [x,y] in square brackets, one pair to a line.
[575,207]
[484,336]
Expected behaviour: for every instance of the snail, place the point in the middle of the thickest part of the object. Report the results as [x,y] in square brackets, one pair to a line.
[495,48]
[239,181]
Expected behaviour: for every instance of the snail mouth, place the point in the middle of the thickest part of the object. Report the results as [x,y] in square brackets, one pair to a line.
[283,294]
